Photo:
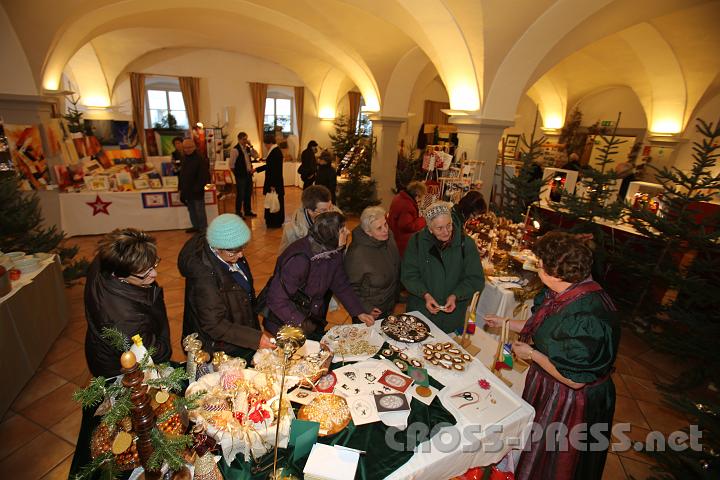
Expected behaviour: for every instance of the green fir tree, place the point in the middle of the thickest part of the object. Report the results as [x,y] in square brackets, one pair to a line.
[21,227]
[74,116]
[523,189]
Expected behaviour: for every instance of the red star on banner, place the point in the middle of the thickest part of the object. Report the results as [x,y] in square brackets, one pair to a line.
[99,206]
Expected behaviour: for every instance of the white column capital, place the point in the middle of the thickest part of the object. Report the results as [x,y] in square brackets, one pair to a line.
[379,119]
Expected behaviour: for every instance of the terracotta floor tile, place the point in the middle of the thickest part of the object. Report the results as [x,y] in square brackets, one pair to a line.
[635,469]
[642,389]
[663,419]
[628,446]
[54,407]
[61,472]
[620,386]
[16,432]
[71,366]
[41,384]
[613,468]
[628,366]
[69,427]
[627,410]
[36,458]
[62,347]
[664,365]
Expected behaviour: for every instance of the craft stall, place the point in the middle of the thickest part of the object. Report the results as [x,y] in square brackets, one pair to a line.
[400,399]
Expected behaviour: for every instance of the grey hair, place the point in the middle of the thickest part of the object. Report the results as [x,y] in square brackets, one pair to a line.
[369,215]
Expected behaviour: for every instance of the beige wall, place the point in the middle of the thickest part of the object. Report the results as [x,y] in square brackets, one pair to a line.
[708,111]
[17,77]
[606,104]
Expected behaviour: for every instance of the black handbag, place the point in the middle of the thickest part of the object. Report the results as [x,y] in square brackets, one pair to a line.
[301,300]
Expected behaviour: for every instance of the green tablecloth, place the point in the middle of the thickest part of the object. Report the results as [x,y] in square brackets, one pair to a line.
[377,463]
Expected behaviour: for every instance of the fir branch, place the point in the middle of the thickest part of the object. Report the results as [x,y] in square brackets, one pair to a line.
[182,404]
[147,358]
[168,450]
[118,340]
[173,382]
[93,394]
[106,461]
[120,409]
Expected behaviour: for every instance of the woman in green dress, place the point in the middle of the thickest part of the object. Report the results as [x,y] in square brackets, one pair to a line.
[572,341]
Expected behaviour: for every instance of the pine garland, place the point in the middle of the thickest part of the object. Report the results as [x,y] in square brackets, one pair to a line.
[173,382]
[120,409]
[118,340]
[168,449]
[106,461]
[147,358]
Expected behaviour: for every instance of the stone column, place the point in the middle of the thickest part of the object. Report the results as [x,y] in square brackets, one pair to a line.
[479,138]
[384,164]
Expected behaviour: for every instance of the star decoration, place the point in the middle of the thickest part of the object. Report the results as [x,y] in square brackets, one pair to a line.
[99,206]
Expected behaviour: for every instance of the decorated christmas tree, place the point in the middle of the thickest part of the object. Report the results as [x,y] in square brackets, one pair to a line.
[523,189]
[354,147]
[21,227]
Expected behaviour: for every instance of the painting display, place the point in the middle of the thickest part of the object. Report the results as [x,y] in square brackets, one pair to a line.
[28,155]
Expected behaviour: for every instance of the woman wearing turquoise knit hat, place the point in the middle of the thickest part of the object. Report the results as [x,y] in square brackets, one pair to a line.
[219,291]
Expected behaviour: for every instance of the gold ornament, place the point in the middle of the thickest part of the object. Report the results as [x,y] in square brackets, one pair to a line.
[122,442]
[128,360]
[219,358]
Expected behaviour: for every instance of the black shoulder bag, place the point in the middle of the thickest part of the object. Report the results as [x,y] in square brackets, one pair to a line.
[300,299]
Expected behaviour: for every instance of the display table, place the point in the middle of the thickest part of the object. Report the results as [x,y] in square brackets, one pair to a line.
[32,315]
[457,440]
[498,300]
[91,213]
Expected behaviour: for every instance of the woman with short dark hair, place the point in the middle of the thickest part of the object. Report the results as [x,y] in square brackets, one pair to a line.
[305,271]
[572,340]
[121,292]
[469,206]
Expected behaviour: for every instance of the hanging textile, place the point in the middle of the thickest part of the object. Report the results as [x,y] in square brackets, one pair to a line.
[432,113]
[258,92]
[354,111]
[299,110]
[190,88]
[137,94]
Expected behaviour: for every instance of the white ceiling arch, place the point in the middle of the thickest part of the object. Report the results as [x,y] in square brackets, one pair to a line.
[107,18]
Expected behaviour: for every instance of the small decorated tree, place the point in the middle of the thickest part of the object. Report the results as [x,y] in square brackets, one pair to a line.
[354,147]
[21,227]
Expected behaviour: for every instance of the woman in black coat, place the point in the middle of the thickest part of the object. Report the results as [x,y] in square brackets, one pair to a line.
[326,174]
[121,293]
[274,181]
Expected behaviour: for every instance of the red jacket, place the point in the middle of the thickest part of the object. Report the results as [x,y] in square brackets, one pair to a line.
[404,219]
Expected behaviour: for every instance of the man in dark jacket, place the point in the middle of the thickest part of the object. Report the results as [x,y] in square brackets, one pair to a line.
[195,174]
[241,157]
[121,293]
[308,164]
[219,290]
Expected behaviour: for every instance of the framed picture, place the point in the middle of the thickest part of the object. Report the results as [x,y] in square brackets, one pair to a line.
[124,181]
[511,145]
[100,183]
[174,199]
[210,197]
[154,200]
[155,183]
[141,184]
[170,182]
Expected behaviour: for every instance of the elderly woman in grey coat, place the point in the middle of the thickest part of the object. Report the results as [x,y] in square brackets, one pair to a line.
[372,263]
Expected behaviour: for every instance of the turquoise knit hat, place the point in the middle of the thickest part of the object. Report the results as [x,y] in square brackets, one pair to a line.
[228,231]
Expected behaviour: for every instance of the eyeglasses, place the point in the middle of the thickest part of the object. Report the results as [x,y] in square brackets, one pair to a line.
[233,251]
[147,274]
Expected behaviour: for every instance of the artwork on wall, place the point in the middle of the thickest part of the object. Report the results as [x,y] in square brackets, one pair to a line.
[100,129]
[28,155]
[511,146]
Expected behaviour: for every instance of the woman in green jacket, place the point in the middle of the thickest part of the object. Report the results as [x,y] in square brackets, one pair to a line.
[441,270]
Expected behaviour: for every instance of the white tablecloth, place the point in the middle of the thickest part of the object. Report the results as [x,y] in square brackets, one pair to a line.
[125,210]
[430,460]
[500,301]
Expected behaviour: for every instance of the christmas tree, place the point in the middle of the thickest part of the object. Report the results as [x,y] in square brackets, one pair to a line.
[569,136]
[523,189]
[74,116]
[21,227]
[354,146]
[408,169]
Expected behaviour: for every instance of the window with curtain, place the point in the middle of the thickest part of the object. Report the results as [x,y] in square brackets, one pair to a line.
[363,118]
[279,112]
[163,97]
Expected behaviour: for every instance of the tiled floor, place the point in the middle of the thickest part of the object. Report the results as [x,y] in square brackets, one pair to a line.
[38,434]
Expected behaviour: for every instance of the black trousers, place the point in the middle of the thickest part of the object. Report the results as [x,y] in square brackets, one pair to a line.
[244,193]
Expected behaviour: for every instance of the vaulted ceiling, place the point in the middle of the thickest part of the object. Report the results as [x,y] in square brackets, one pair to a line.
[487,53]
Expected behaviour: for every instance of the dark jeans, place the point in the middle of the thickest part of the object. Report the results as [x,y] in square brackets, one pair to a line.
[244,191]
[196,209]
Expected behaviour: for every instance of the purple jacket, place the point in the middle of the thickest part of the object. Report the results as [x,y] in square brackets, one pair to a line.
[326,272]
